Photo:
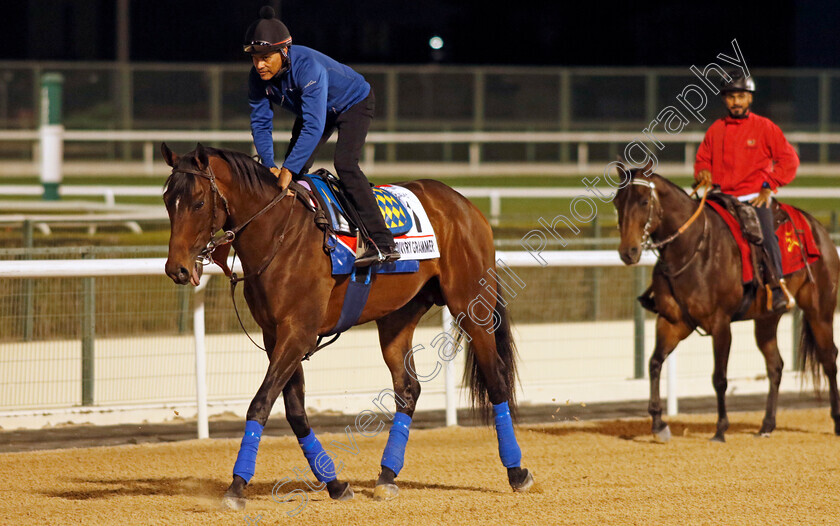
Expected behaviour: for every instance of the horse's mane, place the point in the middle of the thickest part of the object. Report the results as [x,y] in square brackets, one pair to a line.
[638,173]
[252,175]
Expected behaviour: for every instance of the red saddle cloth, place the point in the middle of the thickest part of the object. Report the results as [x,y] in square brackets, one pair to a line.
[793,257]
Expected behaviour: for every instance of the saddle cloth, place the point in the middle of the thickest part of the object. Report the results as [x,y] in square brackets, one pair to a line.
[403,213]
[796,240]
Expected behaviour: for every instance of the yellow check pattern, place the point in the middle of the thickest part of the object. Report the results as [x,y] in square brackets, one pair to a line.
[392,210]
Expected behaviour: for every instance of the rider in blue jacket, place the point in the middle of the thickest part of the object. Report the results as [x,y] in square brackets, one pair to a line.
[326,96]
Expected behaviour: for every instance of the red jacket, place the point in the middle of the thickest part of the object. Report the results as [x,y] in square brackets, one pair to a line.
[743,153]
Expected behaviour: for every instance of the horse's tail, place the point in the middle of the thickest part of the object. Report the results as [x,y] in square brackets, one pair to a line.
[808,359]
[507,354]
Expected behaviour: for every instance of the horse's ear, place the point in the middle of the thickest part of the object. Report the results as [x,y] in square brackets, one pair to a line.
[168,155]
[201,160]
[648,168]
[621,168]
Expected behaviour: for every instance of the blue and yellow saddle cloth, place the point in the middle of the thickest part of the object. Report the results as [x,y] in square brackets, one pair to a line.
[397,218]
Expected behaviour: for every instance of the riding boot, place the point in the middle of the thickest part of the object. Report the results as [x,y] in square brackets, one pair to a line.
[383,249]
[779,298]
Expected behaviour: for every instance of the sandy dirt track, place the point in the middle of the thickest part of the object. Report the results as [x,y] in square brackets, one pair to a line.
[599,472]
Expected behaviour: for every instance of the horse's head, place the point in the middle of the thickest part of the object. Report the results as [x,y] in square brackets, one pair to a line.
[196,211]
[639,210]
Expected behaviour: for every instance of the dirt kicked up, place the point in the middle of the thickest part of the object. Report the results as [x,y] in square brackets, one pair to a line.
[598,472]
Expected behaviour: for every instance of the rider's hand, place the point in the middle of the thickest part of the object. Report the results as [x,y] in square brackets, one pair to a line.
[763,198]
[704,177]
[284,177]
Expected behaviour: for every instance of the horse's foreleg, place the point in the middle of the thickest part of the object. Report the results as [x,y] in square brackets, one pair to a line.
[765,337]
[668,335]
[721,340]
[395,334]
[283,361]
[293,398]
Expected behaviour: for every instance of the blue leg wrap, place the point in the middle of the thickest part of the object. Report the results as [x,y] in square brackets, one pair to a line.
[394,454]
[509,450]
[320,462]
[246,460]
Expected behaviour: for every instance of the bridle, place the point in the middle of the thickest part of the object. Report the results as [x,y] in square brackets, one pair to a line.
[205,256]
[647,242]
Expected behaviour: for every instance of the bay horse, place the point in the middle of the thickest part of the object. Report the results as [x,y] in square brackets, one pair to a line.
[697,283]
[294,298]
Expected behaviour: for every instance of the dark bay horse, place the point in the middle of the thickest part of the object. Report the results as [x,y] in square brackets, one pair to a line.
[697,283]
[294,299]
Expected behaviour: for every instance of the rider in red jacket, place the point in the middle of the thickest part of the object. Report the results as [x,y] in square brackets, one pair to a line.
[748,157]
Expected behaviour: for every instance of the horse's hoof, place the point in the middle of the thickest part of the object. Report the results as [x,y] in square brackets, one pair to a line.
[346,493]
[384,492]
[663,435]
[233,503]
[718,438]
[763,434]
[526,484]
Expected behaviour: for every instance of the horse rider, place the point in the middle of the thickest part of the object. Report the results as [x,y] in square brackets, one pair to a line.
[748,157]
[325,95]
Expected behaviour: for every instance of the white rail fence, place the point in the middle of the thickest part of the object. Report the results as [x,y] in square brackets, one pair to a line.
[535,361]
[475,142]
[132,216]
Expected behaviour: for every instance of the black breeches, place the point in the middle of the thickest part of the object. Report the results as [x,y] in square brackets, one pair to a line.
[352,126]
[771,243]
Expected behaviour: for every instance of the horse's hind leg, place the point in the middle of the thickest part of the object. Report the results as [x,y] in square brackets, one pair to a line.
[395,334]
[722,341]
[818,344]
[668,335]
[765,337]
[293,398]
[491,374]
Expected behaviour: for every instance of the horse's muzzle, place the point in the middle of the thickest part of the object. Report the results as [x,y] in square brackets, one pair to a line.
[181,275]
[630,255]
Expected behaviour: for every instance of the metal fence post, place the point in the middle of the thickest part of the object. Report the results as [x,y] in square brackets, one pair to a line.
[449,375]
[594,275]
[638,324]
[88,334]
[797,330]
[673,401]
[28,286]
[184,294]
[200,359]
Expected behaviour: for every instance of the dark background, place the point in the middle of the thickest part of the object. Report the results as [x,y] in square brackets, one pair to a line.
[526,32]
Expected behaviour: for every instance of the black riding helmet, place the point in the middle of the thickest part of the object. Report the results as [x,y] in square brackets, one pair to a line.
[738,83]
[267,34]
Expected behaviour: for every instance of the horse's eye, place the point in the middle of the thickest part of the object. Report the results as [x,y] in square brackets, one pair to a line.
[198,205]
[645,202]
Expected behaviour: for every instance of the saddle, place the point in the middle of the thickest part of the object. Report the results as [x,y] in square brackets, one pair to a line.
[796,240]
[344,218]
[750,226]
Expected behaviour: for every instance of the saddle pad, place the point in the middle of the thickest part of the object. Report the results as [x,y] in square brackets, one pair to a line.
[791,235]
[396,216]
[418,243]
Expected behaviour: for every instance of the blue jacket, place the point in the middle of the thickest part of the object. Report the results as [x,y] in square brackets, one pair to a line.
[313,88]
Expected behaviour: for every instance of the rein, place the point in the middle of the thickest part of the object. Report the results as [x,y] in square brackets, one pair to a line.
[647,242]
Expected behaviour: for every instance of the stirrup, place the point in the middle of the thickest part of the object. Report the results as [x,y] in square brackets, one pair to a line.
[791,301]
